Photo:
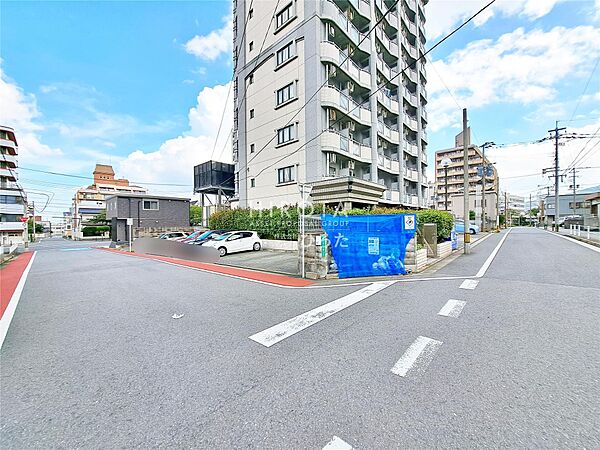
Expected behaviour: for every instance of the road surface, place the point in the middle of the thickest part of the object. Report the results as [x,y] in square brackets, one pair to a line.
[94,359]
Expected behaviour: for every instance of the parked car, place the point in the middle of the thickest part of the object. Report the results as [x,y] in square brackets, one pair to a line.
[208,236]
[171,236]
[235,241]
[459,226]
[191,237]
[567,221]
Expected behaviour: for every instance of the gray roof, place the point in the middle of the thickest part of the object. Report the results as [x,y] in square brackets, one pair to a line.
[146,196]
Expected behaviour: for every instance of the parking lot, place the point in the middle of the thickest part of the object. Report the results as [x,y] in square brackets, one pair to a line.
[268,260]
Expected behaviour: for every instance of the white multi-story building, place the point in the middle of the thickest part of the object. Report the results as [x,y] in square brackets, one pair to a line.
[13,202]
[330,93]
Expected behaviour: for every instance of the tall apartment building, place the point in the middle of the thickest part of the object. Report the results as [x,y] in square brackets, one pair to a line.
[89,201]
[320,98]
[456,173]
[13,202]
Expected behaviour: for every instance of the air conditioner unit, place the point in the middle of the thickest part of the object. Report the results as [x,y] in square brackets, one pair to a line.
[350,86]
[330,68]
[379,142]
[350,14]
[350,173]
[351,165]
[351,136]
[384,114]
[332,158]
[332,114]
[378,47]
[352,126]
[331,30]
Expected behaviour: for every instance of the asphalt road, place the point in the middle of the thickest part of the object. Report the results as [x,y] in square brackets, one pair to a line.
[94,359]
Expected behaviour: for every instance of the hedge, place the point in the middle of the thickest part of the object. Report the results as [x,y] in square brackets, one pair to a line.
[95,231]
[282,223]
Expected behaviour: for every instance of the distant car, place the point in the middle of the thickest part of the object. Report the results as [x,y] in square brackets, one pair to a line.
[208,236]
[235,241]
[459,226]
[191,237]
[172,235]
[567,221]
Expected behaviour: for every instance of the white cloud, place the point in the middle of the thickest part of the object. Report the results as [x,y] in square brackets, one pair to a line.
[210,46]
[444,15]
[519,67]
[19,111]
[174,160]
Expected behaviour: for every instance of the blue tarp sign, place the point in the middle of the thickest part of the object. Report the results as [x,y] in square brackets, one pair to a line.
[369,245]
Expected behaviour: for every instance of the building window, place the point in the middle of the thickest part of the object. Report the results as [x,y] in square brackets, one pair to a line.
[286,53]
[251,78]
[286,134]
[252,113]
[151,205]
[251,148]
[252,182]
[286,175]
[286,93]
[283,17]
[251,45]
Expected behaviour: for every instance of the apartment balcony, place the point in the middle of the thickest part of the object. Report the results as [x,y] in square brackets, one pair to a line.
[390,134]
[389,102]
[410,25]
[411,199]
[391,18]
[388,164]
[389,73]
[332,141]
[411,148]
[424,115]
[9,185]
[390,196]
[424,135]
[10,175]
[423,70]
[332,97]
[412,98]
[9,144]
[331,11]
[12,208]
[332,53]
[362,6]
[412,5]
[390,44]
[11,160]
[424,157]
[410,122]
[12,226]
[411,174]
[423,92]
[412,75]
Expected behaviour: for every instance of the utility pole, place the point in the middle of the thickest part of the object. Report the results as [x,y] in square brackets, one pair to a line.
[505,210]
[33,228]
[574,187]
[484,172]
[467,221]
[556,132]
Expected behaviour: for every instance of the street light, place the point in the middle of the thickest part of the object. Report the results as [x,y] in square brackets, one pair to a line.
[445,163]
[484,174]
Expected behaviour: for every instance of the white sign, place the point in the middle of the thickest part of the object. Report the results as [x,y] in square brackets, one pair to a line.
[129,221]
[409,222]
[373,244]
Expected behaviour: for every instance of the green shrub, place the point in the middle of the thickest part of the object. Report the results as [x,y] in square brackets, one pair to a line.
[282,223]
[95,230]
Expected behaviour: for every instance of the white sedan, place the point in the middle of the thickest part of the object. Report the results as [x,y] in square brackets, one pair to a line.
[235,241]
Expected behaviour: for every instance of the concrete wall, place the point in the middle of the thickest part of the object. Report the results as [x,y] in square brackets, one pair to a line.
[170,213]
[271,244]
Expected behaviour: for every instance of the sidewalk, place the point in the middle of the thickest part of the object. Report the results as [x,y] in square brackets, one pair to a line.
[11,275]
[582,235]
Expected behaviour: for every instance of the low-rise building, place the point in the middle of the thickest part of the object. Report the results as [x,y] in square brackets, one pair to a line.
[89,201]
[579,204]
[149,213]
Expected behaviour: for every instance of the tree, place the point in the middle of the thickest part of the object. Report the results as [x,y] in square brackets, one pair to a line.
[195,215]
[39,228]
[471,215]
[502,219]
[534,212]
[100,218]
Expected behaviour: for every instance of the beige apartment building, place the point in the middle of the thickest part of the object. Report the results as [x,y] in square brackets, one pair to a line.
[89,201]
[324,97]
[455,181]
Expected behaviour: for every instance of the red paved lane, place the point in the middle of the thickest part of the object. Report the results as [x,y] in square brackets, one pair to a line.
[9,278]
[248,274]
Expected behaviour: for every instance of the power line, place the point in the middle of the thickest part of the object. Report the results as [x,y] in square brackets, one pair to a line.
[585,88]
[379,88]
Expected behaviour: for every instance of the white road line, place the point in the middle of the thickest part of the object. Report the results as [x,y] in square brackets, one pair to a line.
[418,356]
[337,444]
[479,241]
[279,332]
[452,308]
[469,284]
[9,312]
[575,241]
[488,261]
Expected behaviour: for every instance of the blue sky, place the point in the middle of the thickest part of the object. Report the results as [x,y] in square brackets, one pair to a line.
[142,85]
